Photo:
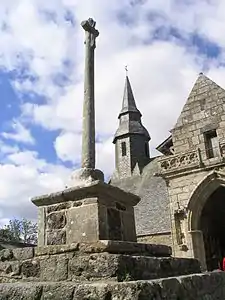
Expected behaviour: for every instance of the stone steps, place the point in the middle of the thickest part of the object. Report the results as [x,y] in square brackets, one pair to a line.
[100,266]
[88,262]
[203,286]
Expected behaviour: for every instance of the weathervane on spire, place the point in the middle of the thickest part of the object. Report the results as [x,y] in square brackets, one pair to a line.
[126,69]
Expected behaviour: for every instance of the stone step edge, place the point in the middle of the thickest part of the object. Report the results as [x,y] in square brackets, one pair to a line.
[193,286]
[115,247]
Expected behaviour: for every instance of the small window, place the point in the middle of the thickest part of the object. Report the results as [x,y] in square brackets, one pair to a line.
[124,148]
[211,144]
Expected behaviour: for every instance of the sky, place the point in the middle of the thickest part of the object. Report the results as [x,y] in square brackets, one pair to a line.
[165,43]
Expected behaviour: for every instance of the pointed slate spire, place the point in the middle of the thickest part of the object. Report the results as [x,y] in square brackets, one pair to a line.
[131,139]
[132,123]
[129,104]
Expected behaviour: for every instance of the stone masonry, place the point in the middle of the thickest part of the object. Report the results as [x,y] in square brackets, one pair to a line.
[201,287]
[104,270]
[191,175]
[86,214]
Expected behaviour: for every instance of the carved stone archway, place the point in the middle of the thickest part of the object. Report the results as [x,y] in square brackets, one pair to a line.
[198,199]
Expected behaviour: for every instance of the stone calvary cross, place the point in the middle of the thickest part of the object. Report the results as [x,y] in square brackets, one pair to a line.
[88,171]
[89,210]
[88,135]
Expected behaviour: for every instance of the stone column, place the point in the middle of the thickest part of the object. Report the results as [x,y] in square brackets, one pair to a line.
[88,137]
[198,248]
[88,171]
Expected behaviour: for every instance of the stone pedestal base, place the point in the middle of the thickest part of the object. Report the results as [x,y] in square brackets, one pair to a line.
[97,211]
[85,176]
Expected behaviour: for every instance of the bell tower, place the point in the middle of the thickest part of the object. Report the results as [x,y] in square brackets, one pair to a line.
[131,139]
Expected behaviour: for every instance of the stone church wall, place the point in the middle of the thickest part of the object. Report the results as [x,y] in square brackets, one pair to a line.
[197,167]
[180,192]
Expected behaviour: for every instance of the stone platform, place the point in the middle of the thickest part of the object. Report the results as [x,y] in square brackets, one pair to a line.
[101,261]
[210,286]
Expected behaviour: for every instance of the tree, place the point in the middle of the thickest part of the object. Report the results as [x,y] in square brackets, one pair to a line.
[23,231]
[6,235]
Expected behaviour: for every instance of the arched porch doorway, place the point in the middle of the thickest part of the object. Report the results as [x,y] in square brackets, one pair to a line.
[212,225]
[206,220]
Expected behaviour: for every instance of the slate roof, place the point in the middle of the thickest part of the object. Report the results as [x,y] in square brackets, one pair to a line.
[131,127]
[152,212]
[165,146]
[129,104]
[132,123]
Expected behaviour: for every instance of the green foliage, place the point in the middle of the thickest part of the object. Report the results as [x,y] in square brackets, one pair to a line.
[6,235]
[23,231]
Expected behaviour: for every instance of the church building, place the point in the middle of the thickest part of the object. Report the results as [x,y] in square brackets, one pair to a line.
[182,191]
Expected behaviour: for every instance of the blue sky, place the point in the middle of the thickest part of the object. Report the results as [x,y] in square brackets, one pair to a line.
[41,81]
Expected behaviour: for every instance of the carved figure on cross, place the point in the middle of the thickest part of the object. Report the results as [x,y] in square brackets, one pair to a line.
[89,26]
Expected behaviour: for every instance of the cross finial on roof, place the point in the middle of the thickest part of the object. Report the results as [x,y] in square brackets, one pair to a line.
[126,69]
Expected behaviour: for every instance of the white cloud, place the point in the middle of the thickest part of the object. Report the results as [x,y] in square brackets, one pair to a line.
[19,134]
[25,176]
[64,112]
[68,147]
[8,149]
[105,157]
